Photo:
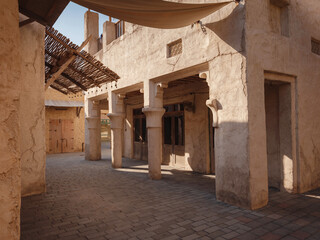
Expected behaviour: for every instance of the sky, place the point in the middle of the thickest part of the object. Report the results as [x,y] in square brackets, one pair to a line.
[71,22]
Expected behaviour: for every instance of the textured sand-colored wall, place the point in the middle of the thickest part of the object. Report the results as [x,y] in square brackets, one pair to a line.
[286,55]
[33,156]
[10,181]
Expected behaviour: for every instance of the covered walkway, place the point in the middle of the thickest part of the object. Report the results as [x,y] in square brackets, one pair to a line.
[91,200]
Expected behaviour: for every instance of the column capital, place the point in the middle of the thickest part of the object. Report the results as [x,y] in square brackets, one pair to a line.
[204,75]
[116,120]
[159,89]
[154,116]
[212,103]
[92,122]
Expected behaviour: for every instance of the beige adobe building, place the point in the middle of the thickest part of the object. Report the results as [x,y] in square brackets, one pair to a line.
[64,122]
[254,65]
[251,71]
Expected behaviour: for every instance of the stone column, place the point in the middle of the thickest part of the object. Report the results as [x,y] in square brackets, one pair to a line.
[116,138]
[116,116]
[154,126]
[92,130]
[109,32]
[91,27]
[154,111]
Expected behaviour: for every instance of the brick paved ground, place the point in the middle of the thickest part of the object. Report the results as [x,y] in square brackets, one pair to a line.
[90,200]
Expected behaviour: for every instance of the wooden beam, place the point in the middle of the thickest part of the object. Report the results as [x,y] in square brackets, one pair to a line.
[68,77]
[65,86]
[65,65]
[73,69]
[79,54]
[59,90]
[25,22]
[34,16]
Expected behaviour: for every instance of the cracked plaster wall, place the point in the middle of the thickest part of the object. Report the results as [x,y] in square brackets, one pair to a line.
[288,55]
[32,110]
[10,184]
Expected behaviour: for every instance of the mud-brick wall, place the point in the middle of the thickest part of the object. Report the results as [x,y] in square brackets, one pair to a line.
[10,187]
[78,124]
[33,158]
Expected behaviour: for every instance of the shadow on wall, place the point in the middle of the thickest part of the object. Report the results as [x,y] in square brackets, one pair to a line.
[231,29]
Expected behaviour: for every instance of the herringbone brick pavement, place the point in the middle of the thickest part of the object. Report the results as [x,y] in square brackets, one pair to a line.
[90,200]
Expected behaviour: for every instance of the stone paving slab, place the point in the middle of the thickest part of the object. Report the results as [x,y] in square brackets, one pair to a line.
[90,200]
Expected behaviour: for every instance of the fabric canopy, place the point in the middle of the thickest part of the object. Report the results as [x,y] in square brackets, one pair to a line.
[153,13]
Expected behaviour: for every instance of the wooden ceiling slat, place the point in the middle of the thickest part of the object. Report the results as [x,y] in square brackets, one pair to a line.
[85,71]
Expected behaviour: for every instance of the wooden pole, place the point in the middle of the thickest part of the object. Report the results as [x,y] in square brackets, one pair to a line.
[66,64]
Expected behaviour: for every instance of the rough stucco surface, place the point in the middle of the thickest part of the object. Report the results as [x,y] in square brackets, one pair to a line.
[32,110]
[10,186]
[289,55]
[221,51]
[197,138]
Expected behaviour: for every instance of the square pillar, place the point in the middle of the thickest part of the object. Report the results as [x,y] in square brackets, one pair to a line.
[92,130]
[109,32]
[10,90]
[240,179]
[91,27]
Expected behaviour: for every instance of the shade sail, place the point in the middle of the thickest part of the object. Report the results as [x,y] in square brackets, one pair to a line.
[153,13]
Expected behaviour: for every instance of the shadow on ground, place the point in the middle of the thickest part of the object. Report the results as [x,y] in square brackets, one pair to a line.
[90,200]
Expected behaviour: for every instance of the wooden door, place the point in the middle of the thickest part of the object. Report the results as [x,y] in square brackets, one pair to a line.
[173,136]
[67,136]
[140,145]
[61,135]
[54,136]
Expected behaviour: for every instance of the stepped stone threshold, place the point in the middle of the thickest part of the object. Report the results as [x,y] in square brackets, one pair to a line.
[91,200]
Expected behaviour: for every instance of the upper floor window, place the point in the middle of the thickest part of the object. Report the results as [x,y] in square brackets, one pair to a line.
[119,28]
[174,48]
[279,16]
[315,46]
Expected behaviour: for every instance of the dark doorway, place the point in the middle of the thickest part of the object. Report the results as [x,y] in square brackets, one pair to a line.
[278,129]
[140,145]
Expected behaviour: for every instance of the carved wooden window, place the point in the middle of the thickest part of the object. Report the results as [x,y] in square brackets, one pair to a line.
[173,125]
[315,46]
[174,48]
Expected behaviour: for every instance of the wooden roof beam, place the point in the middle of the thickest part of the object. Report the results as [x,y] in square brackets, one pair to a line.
[73,69]
[79,54]
[34,16]
[25,22]
[69,78]
[65,65]
[59,90]
[65,86]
